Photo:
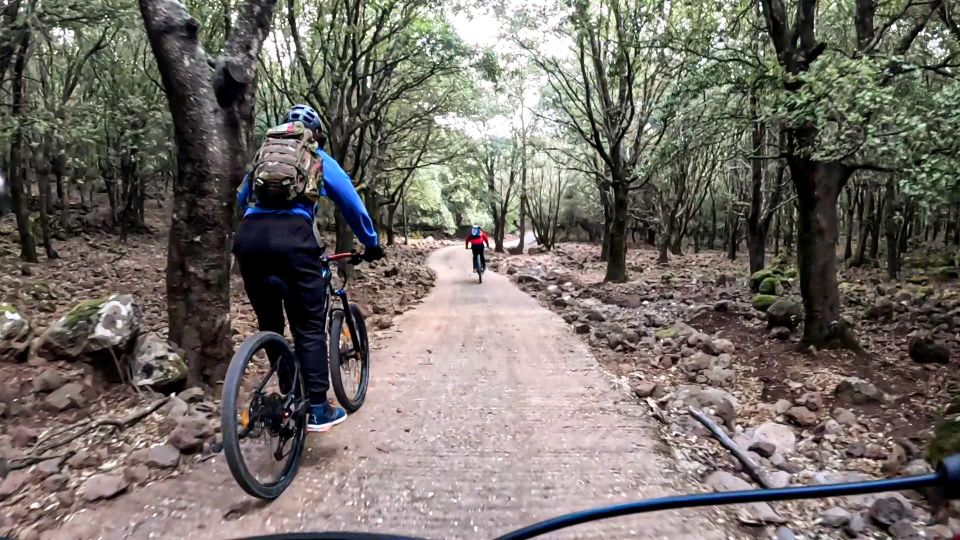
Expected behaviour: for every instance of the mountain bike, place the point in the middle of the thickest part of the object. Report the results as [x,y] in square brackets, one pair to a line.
[478,266]
[946,480]
[268,415]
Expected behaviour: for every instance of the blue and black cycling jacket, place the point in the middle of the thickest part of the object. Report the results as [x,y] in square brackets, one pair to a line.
[336,187]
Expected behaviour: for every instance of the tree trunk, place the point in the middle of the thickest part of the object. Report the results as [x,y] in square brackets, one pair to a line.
[776,236]
[848,240]
[711,240]
[403,216]
[617,263]
[607,225]
[391,216]
[906,227]
[733,240]
[818,186]
[42,168]
[212,111]
[876,223]
[756,236]
[28,248]
[790,235]
[890,231]
[866,226]
[956,227]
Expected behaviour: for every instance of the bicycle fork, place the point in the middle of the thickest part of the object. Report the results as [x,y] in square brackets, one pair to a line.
[348,318]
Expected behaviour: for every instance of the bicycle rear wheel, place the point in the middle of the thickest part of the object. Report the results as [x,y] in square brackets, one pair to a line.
[263,416]
[349,368]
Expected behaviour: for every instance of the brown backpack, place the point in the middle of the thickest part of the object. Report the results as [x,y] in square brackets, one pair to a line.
[287,166]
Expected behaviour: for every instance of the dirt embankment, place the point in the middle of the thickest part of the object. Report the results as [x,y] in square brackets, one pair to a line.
[688,334]
[68,438]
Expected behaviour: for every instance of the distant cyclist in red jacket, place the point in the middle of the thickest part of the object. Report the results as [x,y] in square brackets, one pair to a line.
[476,239]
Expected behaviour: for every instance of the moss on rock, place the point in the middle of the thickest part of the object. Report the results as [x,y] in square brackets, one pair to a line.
[762,302]
[771,285]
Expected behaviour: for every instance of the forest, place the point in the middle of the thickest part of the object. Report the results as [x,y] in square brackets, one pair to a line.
[799,139]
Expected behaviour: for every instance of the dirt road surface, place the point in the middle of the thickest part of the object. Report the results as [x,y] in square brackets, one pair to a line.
[484,414]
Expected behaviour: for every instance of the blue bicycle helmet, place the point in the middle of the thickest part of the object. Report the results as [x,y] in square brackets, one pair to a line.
[304,114]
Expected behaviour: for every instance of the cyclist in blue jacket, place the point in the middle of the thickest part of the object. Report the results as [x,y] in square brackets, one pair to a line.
[277,245]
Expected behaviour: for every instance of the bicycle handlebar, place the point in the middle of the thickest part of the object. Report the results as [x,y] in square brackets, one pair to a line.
[946,479]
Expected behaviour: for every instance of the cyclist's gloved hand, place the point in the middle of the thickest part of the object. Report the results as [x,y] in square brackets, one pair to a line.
[371,254]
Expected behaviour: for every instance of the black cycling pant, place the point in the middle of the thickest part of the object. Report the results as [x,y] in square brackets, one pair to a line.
[280,263]
[478,255]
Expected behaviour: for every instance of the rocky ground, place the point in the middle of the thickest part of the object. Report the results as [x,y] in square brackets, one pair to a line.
[70,433]
[693,334]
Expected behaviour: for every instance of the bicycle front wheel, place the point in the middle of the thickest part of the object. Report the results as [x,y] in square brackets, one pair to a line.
[263,415]
[349,366]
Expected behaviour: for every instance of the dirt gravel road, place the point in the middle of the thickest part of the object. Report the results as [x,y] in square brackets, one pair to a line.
[484,414]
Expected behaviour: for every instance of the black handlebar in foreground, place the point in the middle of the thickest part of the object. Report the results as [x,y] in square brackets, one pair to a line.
[946,479]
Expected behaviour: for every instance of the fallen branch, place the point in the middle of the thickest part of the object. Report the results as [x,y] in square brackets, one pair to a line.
[27,461]
[85,426]
[752,469]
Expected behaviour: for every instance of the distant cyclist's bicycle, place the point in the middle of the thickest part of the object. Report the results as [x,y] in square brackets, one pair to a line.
[478,266]
[264,417]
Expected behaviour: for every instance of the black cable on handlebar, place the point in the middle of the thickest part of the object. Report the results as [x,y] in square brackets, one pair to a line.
[947,478]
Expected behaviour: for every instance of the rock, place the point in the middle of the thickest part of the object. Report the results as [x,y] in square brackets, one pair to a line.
[904,530]
[615,340]
[762,302]
[875,452]
[855,527]
[811,400]
[163,456]
[757,278]
[55,482]
[835,517]
[136,474]
[718,376]
[857,391]
[916,468]
[855,450]
[895,461]
[771,285]
[644,389]
[784,312]
[12,483]
[723,306]
[191,395]
[845,416]
[21,436]
[92,329]
[82,459]
[698,362]
[939,532]
[751,513]
[582,328]
[157,363]
[724,346]
[782,406]
[67,396]
[883,310]
[175,408]
[528,279]
[779,435]
[570,317]
[47,468]
[190,433]
[779,479]
[888,510]
[784,533]
[781,333]
[801,416]
[676,331]
[763,448]
[926,350]
[48,380]
[15,332]
[595,315]
[103,486]
[723,405]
